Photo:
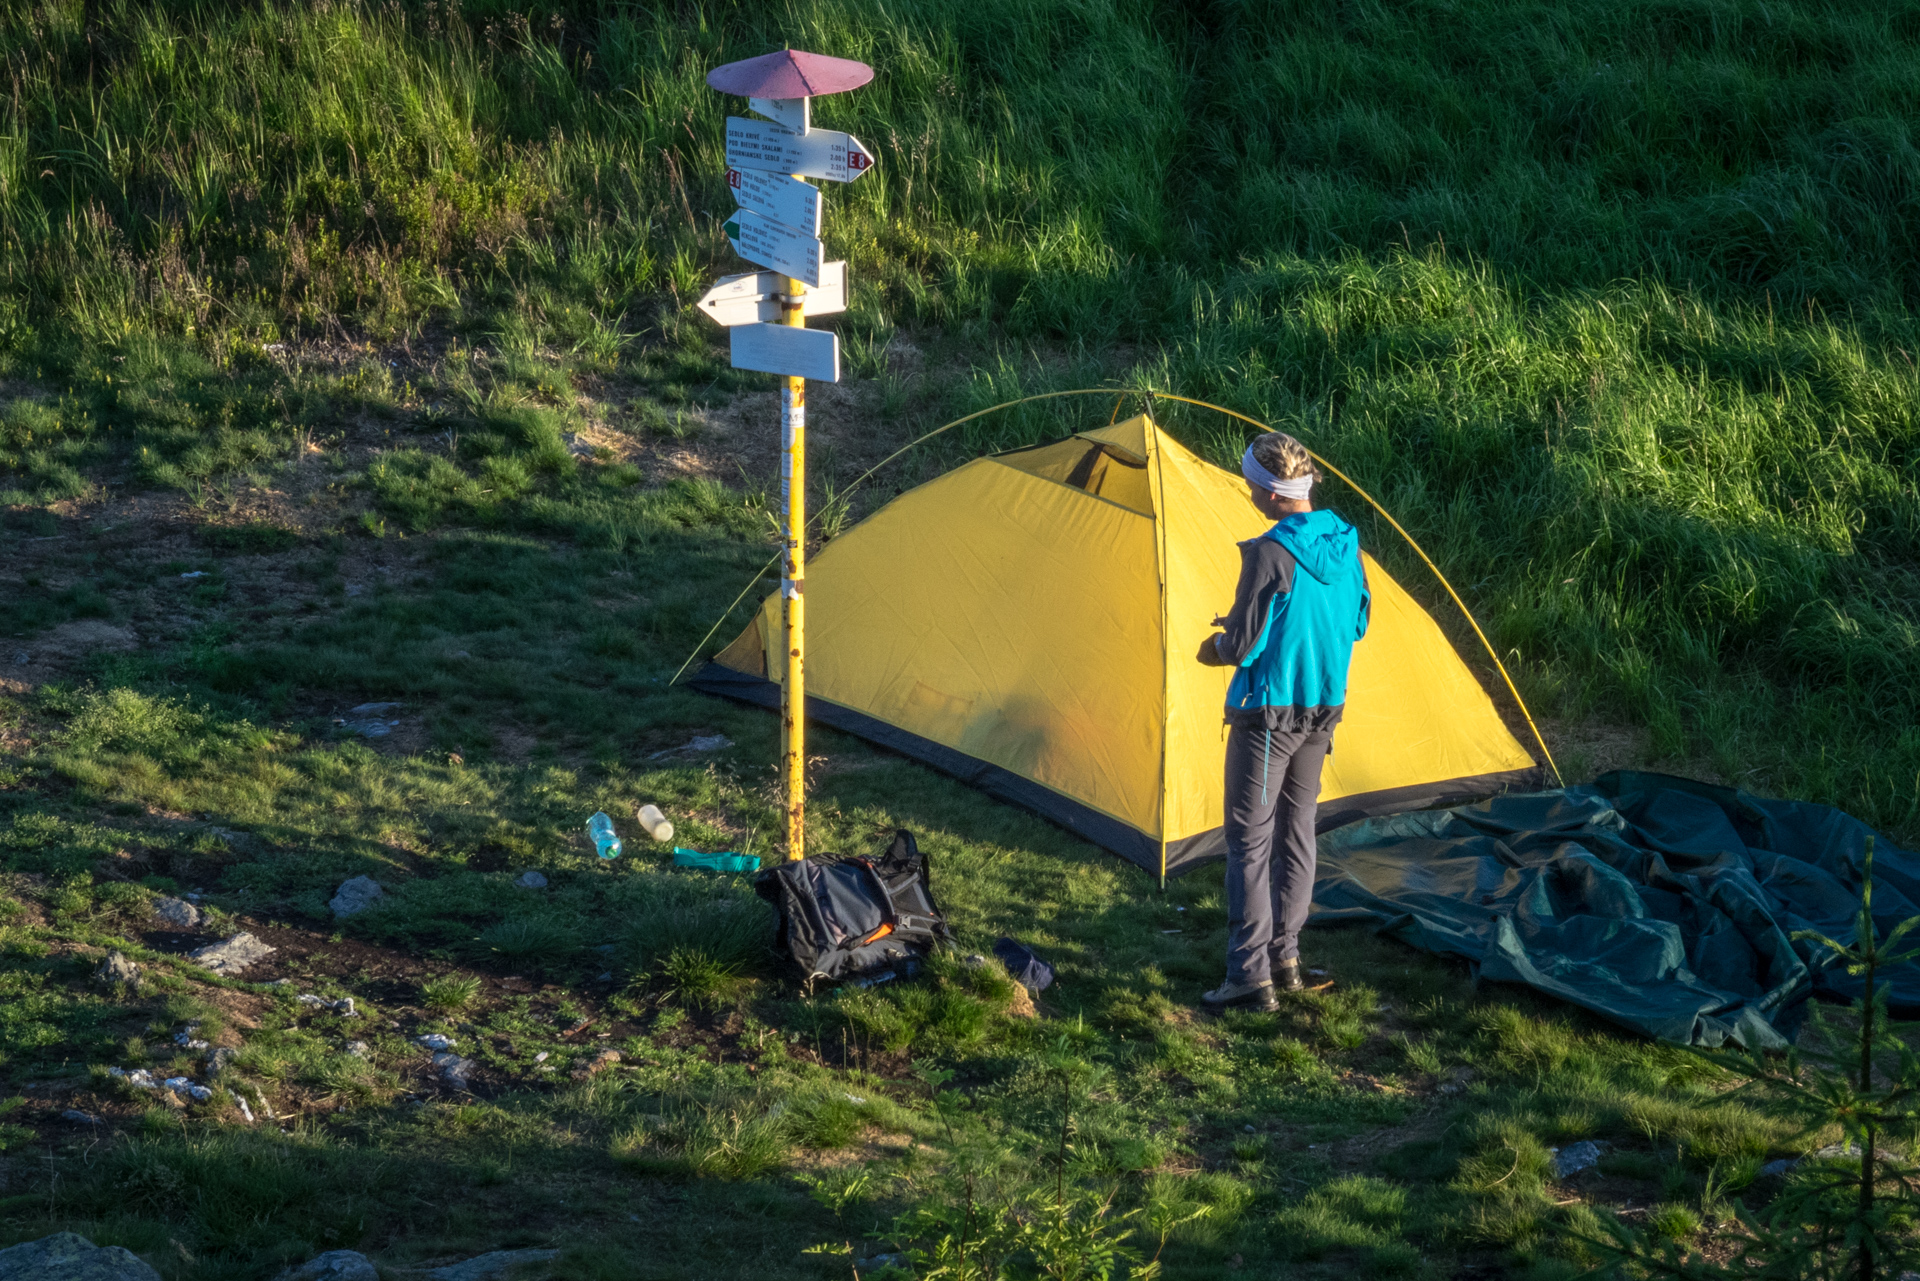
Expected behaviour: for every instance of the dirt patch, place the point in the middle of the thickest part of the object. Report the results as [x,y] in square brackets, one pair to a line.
[1585,749]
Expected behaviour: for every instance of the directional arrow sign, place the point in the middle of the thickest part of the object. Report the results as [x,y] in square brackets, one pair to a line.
[783,199]
[754,297]
[787,349]
[817,153]
[776,245]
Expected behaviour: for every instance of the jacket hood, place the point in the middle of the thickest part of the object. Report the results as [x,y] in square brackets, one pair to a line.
[1321,543]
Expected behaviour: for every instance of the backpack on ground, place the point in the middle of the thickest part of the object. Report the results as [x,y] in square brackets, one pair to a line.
[849,918]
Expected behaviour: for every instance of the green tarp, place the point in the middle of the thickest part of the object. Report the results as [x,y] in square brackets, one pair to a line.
[1665,905]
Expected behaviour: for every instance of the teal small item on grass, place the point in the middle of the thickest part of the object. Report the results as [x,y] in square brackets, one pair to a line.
[605,841]
[728,862]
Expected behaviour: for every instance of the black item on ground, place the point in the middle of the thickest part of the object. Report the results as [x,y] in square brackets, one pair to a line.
[843,918]
[1665,905]
[1024,966]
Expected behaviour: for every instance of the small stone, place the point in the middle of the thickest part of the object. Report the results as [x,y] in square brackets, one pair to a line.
[183,1085]
[218,1060]
[597,1064]
[488,1267]
[375,709]
[531,880]
[975,961]
[78,1117]
[21,658]
[356,895]
[359,1049]
[65,1256]
[116,968]
[1774,1169]
[453,1069]
[231,955]
[139,1078]
[177,913]
[1576,1157]
[436,1041]
[334,1265]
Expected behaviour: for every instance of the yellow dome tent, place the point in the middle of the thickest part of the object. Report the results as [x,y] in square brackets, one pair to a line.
[1028,623]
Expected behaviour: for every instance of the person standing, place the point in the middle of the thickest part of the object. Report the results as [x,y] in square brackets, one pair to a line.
[1301,604]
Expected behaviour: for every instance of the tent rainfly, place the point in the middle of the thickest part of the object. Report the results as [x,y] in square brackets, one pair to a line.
[1028,621]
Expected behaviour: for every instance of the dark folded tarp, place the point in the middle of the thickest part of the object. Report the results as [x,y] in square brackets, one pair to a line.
[1660,903]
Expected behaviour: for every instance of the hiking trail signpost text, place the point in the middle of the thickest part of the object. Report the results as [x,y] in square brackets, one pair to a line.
[777,225]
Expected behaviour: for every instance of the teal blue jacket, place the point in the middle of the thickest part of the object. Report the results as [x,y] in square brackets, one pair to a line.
[1302,602]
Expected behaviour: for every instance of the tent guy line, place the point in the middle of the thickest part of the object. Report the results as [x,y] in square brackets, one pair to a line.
[1150,394]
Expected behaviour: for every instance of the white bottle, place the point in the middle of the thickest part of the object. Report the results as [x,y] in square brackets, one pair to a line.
[655,823]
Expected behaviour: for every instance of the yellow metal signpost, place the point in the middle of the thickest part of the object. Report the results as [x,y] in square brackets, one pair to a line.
[777,226]
[793,588]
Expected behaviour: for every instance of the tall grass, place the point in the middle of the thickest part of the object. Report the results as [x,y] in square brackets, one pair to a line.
[1608,301]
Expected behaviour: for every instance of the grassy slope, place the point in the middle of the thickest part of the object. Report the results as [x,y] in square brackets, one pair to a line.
[1606,301]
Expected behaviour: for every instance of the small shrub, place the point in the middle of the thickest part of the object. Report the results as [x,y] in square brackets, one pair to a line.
[1343,1030]
[716,1142]
[1673,1222]
[695,977]
[530,938]
[824,1122]
[450,992]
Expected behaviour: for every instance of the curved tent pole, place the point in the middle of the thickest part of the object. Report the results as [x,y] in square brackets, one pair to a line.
[1150,394]
[1421,552]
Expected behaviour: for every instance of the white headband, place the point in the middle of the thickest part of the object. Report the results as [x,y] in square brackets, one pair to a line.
[1297,489]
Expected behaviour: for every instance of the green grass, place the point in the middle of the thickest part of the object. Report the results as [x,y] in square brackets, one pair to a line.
[1609,303]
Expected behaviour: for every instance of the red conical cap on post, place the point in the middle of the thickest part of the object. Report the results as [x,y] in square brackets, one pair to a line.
[791,73]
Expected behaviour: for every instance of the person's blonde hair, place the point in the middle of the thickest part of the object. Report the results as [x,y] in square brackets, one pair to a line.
[1282,455]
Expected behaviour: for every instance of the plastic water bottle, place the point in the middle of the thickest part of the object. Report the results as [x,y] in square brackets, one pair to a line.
[600,828]
[655,822]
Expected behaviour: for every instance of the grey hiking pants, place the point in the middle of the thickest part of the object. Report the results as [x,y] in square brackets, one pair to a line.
[1273,791]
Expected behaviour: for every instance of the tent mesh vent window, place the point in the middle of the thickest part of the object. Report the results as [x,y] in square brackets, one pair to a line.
[1103,470]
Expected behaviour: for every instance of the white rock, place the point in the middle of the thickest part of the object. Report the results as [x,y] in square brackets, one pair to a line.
[231,955]
[65,1256]
[177,913]
[356,895]
[139,1078]
[1576,1157]
[453,1069]
[116,968]
[436,1041]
